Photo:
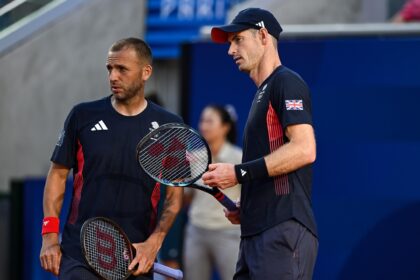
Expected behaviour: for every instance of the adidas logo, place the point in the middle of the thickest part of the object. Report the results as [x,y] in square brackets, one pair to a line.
[260,24]
[243,172]
[46,223]
[99,126]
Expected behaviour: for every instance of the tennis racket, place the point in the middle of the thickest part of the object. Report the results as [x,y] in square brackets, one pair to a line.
[108,251]
[174,154]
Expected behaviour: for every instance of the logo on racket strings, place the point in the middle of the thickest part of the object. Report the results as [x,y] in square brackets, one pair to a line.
[173,156]
[106,248]
[126,255]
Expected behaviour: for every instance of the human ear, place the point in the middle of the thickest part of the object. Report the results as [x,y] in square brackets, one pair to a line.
[147,72]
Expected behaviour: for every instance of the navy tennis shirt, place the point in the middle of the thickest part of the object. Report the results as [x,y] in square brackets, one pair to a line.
[283,99]
[99,144]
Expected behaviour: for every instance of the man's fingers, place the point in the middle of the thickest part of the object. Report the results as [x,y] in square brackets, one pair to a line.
[220,175]
[49,262]
[207,176]
[222,184]
[137,266]
[56,264]
[147,266]
[209,180]
[230,213]
[232,216]
[46,263]
[133,264]
[52,263]
[211,183]
[141,269]
[212,166]
[43,263]
[50,257]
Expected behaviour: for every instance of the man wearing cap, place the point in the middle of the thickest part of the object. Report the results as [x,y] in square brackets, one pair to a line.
[279,235]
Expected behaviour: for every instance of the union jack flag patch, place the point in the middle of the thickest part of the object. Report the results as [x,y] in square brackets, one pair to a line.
[294,105]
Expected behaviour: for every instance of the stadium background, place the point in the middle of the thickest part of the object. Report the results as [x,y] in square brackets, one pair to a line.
[364,78]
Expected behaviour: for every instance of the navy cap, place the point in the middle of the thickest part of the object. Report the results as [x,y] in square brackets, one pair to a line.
[249,18]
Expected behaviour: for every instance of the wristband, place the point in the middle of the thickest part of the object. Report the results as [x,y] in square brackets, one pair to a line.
[50,224]
[251,170]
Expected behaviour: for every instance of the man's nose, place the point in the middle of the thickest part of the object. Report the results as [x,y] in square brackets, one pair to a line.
[113,75]
[232,50]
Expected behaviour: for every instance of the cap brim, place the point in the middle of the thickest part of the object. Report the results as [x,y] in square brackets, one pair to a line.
[220,34]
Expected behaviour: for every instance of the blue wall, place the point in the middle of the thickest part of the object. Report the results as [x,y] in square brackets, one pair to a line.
[366,94]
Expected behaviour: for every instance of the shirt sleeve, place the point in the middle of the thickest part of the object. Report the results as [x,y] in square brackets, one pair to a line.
[65,149]
[291,101]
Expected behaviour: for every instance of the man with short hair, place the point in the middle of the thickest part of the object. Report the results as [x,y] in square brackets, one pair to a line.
[279,235]
[99,143]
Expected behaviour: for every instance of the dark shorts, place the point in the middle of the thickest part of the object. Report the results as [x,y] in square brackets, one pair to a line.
[286,251]
[71,269]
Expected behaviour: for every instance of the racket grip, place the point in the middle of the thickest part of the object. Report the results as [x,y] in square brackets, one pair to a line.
[168,271]
[228,203]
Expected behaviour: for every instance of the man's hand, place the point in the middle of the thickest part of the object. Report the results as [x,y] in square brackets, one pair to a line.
[50,255]
[146,253]
[233,216]
[221,175]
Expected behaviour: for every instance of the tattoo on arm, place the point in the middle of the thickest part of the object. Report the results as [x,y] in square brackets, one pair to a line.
[170,210]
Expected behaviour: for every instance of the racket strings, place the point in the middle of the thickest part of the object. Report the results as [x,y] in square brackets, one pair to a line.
[154,148]
[174,155]
[106,250]
[165,139]
[189,168]
[190,165]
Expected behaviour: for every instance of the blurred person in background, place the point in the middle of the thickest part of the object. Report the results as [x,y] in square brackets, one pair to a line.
[98,142]
[211,241]
[410,12]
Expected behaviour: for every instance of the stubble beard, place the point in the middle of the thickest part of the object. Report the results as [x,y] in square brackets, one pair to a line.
[131,92]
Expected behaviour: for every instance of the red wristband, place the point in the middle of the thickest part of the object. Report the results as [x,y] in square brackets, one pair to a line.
[50,224]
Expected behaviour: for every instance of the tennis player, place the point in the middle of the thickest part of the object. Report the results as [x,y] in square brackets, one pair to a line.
[278,230]
[99,143]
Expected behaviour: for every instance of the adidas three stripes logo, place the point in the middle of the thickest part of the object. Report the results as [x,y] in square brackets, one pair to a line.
[99,126]
[260,24]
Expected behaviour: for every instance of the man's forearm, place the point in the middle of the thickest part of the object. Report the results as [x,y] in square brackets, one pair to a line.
[54,191]
[298,152]
[287,159]
[171,208]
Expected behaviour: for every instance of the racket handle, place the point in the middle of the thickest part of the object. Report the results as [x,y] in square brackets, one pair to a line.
[226,201]
[168,271]
[220,196]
